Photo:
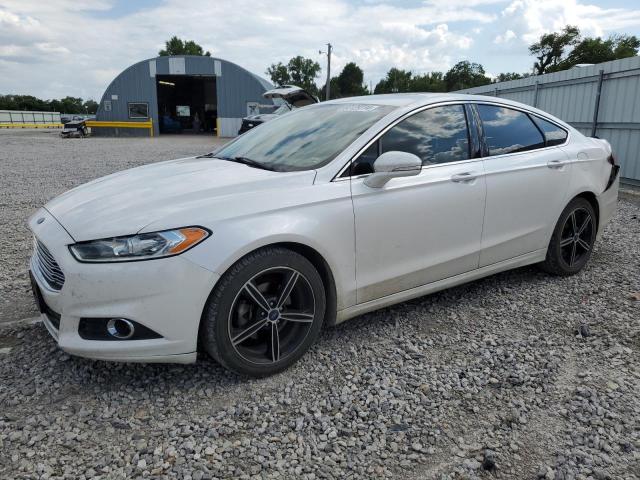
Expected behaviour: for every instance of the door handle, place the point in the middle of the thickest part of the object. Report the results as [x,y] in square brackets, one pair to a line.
[555,164]
[464,177]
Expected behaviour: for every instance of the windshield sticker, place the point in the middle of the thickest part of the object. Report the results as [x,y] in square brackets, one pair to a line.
[358,107]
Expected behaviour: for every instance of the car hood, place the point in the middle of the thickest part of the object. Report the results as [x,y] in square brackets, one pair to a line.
[125,202]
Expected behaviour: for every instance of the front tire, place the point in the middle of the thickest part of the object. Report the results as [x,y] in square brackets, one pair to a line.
[572,240]
[265,312]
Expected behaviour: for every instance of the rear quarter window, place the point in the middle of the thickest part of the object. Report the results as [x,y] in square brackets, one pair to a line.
[508,131]
[553,134]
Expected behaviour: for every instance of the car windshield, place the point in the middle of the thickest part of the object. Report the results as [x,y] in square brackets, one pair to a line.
[304,139]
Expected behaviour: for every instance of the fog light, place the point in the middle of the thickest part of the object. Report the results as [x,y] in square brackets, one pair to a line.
[120,328]
[114,330]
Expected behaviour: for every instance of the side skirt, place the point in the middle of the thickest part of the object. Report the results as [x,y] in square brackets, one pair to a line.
[522,260]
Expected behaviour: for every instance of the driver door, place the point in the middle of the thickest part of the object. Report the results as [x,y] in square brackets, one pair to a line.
[420,229]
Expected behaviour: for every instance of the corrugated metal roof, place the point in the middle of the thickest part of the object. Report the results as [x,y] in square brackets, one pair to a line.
[235,86]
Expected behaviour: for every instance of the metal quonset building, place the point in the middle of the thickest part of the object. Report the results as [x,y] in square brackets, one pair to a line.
[601,100]
[179,93]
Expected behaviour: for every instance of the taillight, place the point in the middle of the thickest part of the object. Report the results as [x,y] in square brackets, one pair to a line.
[614,171]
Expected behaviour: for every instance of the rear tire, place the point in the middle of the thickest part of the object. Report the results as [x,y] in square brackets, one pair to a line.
[265,312]
[573,239]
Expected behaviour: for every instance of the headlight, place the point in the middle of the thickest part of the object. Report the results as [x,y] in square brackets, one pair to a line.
[144,246]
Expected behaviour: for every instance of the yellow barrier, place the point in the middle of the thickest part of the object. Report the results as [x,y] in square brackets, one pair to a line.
[30,125]
[104,124]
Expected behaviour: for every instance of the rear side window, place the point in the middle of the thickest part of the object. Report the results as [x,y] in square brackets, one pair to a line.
[553,134]
[508,131]
[437,135]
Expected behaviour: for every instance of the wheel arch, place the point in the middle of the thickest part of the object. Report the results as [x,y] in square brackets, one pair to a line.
[593,200]
[323,268]
[314,257]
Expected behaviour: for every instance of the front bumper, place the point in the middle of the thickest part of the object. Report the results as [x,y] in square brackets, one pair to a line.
[166,295]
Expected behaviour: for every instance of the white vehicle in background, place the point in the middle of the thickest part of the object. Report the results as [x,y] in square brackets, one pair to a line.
[320,215]
[290,96]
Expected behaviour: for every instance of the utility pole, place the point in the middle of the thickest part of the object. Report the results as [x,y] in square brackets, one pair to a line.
[328,92]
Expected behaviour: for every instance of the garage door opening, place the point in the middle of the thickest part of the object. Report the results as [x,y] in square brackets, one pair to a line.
[187,104]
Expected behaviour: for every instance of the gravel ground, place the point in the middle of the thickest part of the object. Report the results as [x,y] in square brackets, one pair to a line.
[517,376]
[37,165]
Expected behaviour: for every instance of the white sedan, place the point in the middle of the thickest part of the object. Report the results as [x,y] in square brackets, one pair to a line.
[326,213]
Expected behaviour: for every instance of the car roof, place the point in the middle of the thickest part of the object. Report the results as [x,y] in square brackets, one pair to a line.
[416,100]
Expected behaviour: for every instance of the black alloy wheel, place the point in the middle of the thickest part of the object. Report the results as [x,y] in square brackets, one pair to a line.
[577,236]
[265,312]
[573,239]
[271,315]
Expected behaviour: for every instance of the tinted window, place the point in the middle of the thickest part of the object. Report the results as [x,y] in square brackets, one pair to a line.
[508,131]
[436,135]
[552,133]
[364,163]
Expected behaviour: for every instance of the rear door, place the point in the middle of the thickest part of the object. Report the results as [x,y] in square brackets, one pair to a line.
[420,229]
[527,179]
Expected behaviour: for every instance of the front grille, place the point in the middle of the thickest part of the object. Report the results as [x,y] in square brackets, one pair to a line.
[47,266]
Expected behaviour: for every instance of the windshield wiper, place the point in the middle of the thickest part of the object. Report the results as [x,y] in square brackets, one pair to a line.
[243,160]
[249,162]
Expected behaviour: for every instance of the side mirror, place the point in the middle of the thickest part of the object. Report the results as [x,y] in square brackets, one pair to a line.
[392,165]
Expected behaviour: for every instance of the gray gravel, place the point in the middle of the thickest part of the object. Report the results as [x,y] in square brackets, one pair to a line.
[37,165]
[517,376]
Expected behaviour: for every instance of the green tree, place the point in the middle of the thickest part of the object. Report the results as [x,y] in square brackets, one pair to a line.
[625,46]
[429,82]
[303,73]
[31,103]
[335,89]
[90,107]
[279,74]
[300,71]
[597,50]
[67,105]
[350,81]
[177,46]
[348,84]
[24,102]
[550,49]
[505,77]
[465,75]
[396,81]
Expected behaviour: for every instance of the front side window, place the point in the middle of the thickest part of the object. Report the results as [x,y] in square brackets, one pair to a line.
[508,131]
[437,135]
[307,138]
[138,110]
[553,134]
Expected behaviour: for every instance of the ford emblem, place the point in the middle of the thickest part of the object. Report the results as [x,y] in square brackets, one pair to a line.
[40,220]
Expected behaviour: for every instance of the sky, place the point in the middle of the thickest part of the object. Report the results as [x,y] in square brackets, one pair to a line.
[54,48]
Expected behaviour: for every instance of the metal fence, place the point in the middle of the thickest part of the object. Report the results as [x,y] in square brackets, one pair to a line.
[18,119]
[598,100]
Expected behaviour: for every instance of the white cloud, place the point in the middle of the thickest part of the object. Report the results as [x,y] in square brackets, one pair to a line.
[505,37]
[531,18]
[52,49]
